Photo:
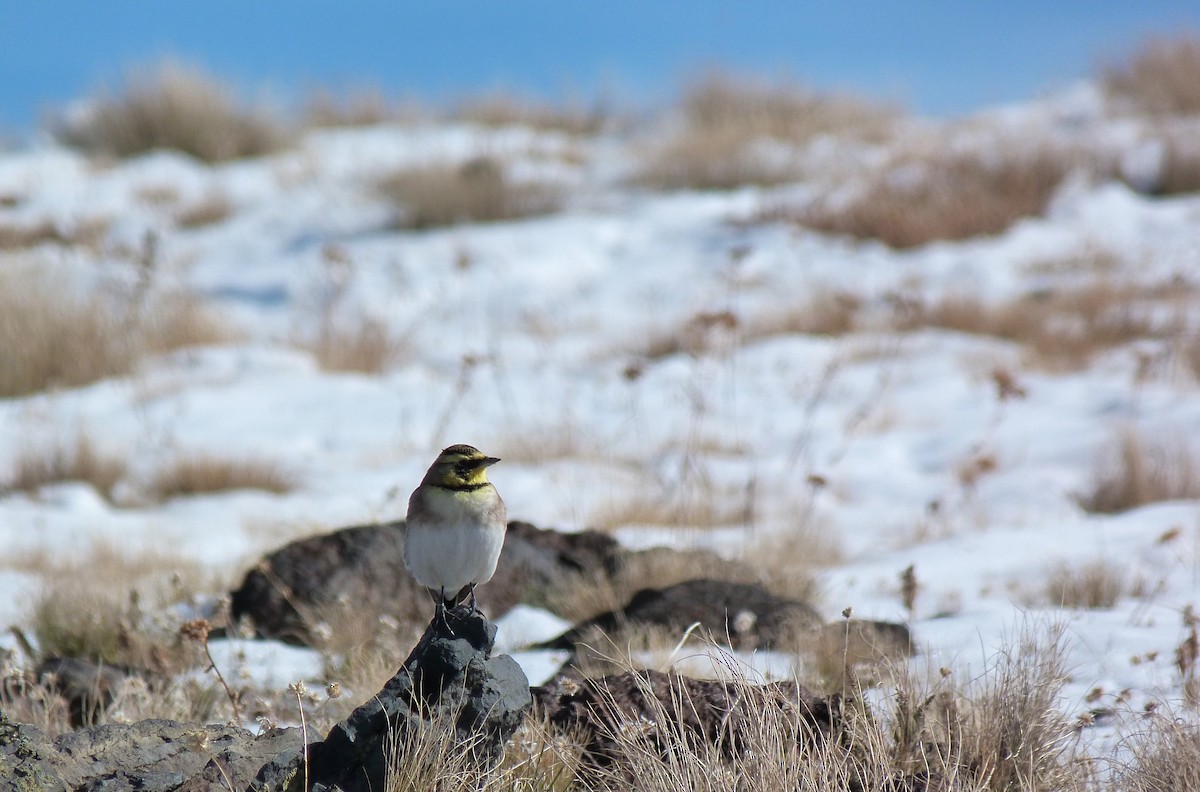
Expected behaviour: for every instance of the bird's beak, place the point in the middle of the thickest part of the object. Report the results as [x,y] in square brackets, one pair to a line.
[488,461]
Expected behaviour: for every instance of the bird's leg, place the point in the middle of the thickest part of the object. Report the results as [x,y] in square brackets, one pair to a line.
[474,607]
[441,610]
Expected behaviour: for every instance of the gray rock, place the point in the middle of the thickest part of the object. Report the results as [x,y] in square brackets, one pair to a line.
[750,616]
[450,677]
[328,578]
[148,756]
[87,687]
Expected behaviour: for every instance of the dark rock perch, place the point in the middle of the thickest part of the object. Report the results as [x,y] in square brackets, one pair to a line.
[448,677]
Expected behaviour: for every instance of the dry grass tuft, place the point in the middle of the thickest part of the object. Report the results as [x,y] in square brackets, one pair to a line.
[1162,78]
[359,107]
[368,346]
[687,507]
[1133,472]
[88,234]
[172,106]
[1187,347]
[1179,172]
[1164,757]
[108,605]
[1096,585]
[505,109]
[1006,732]
[823,312]
[75,460]
[730,121]
[202,474]
[538,759]
[210,210]
[116,608]
[53,339]
[936,196]
[1062,328]
[345,339]
[476,191]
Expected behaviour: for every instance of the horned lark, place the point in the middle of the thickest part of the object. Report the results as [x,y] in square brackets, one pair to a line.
[455,527]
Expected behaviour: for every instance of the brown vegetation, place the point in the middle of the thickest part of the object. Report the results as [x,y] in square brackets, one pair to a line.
[1062,328]
[1161,78]
[76,460]
[727,118]
[201,474]
[53,338]
[209,210]
[933,196]
[20,236]
[1094,585]
[1164,757]
[172,106]
[505,108]
[1133,472]
[476,191]
[355,108]
[368,347]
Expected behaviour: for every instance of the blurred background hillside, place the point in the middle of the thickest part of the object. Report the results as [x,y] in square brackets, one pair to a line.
[936,57]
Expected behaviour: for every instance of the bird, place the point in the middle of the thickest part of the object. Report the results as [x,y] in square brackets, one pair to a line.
[455,528]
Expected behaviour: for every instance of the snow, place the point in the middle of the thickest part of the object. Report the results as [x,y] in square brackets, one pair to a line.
[519,336]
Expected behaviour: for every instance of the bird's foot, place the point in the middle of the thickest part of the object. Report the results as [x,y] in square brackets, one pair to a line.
[441,619]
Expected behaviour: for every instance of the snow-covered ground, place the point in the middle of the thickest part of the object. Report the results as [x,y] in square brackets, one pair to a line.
[524,339]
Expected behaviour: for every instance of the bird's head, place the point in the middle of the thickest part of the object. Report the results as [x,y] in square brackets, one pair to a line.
[460,466]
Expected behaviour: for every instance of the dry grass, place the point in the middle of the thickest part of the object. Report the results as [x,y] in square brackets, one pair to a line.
[358,107]
[367,346]
[88,234]
[1187,347]
[1134,471]
[209,210]
[936,195]
[1007,733]
[1180,169]
[109,605]
[505,109]
[537,760]
[1162,78]
[116,608]
[827,312]
[682,507]
[1096,585]
[823,312]
[172,106]
[1062,328]
[53,338]
[75,460]
[1000,733]
[730,120]
[476,191]
[345,339]
[203,474]
[787,562]
[1164,757]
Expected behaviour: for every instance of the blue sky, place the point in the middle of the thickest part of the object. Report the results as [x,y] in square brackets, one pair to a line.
[936,56]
